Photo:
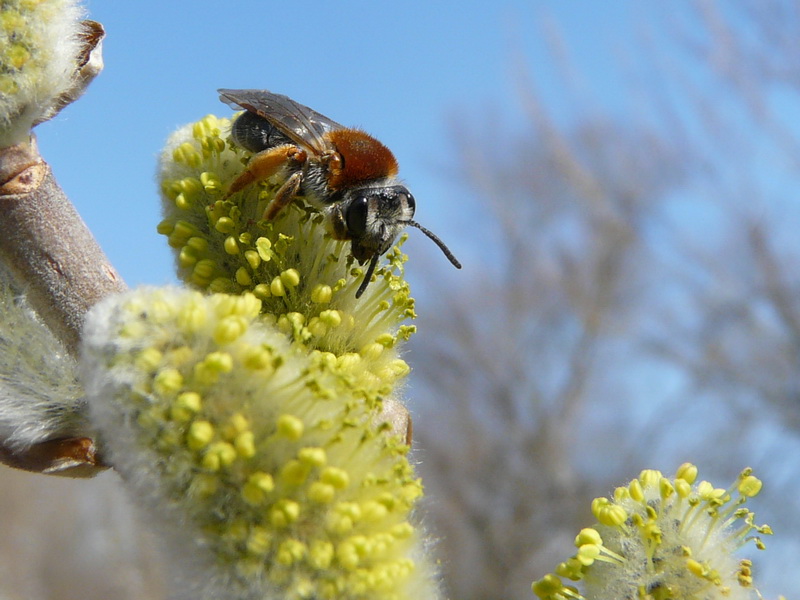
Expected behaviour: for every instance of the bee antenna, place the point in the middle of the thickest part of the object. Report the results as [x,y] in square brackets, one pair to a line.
[370,270]
[436,241]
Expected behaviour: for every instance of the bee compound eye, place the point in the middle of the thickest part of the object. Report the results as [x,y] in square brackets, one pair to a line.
[356,216]
[410,202]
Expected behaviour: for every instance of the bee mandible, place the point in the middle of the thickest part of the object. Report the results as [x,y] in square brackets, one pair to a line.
[347,173]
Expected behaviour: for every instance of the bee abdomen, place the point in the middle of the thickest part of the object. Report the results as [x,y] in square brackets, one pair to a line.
[255,133]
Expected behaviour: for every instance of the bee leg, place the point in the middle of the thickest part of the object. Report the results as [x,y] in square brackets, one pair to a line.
[284,195]
[265,164]
[338,227]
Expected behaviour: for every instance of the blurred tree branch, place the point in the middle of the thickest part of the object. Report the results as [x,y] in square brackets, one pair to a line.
[521,363]
[623,256]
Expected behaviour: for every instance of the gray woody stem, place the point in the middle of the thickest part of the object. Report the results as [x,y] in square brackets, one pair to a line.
[48,246]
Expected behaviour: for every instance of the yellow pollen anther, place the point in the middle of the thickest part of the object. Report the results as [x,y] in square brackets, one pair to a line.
[336,477]
[321,294]
[262,291]
[185,406]
[225,225]
[372,351]
[588,536]
[253,259]
[290,427]
[331,318]
[276,287]
[230,245]
[285,512]
[264,248]
[290,278]
[650,478]
[321,554]
[258,486]
[218,455]
[199,435]
[321,493]
[290,552]
[229,329]
[243,277]
[635,490]
[295,472]
[245,444]
[750,486]
[259,541]
[149,359]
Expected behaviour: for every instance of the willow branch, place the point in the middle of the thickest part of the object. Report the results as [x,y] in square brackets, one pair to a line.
[48,246]
[55,260]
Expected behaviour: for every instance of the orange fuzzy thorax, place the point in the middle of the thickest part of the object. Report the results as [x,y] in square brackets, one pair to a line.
[363,159]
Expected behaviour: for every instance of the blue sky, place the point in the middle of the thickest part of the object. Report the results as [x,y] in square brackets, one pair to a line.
[401,71]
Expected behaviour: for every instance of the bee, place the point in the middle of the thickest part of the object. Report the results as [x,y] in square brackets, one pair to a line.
[346,172]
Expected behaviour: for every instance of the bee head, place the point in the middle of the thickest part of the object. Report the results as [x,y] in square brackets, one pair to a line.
[373,217]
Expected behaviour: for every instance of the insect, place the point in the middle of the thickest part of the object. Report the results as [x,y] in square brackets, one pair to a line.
[349,174]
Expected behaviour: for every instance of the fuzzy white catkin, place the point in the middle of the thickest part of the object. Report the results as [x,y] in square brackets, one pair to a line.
[40,396]
[336,519]
[39,46]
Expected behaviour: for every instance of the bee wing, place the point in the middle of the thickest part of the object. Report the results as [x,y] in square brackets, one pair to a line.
[302,125]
